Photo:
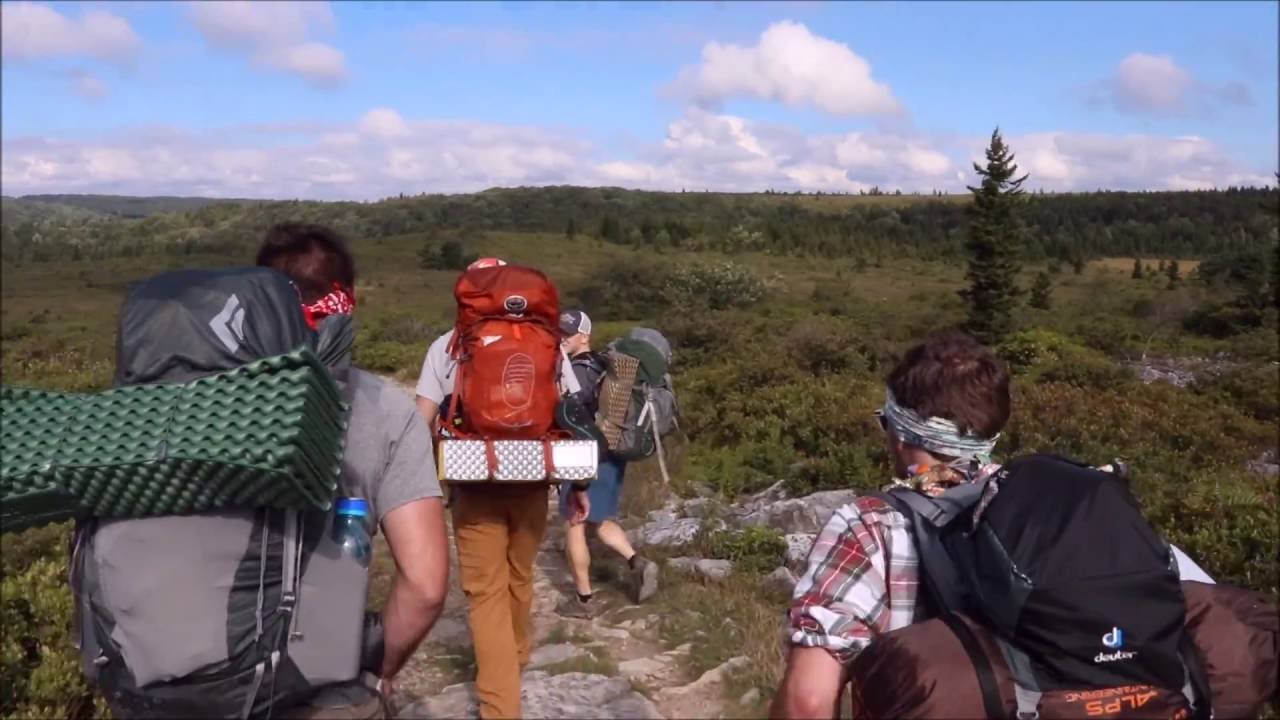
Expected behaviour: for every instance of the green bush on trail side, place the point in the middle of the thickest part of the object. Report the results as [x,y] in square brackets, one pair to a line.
[39,666]
[752,549]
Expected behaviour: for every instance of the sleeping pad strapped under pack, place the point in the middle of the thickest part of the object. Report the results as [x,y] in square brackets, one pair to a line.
[224,613]
[952,667]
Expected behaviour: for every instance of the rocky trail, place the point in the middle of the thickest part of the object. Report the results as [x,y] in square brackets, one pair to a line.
[617,664]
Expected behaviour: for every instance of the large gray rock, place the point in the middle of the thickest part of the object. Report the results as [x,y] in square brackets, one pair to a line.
[798,547]
[571,695]
[782,579]
[667,530]
[800,515]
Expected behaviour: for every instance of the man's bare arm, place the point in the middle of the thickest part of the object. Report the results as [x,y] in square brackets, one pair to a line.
[811,686]
[416,534]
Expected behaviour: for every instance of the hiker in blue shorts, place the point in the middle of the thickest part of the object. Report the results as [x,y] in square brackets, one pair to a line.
[605,491]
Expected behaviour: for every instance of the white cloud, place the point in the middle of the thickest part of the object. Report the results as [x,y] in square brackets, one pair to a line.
[316,62]
[788,64]
[275,35]
[87,85]
[1082,161]
[33,31]
[1157,85]
[383,123]
[383,153]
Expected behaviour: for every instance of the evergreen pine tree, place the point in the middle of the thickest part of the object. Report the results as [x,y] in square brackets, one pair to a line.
[1137,269]
[1041,292]
[993,244]
[571,229]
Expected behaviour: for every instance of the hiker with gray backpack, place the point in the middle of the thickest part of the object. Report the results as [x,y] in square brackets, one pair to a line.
[628,398]
[1030,589]
[254,608]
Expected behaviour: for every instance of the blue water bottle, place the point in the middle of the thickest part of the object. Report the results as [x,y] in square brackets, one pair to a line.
[351,529]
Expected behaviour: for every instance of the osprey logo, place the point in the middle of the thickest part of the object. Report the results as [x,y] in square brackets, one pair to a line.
[228,324]
[516,305]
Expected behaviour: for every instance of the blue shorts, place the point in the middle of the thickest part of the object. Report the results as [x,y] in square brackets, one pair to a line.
[605,492]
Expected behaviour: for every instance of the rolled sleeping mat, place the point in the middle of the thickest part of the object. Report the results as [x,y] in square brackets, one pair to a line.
[268,433]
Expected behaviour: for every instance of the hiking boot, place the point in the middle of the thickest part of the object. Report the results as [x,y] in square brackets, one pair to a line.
[572,607]
[644,577]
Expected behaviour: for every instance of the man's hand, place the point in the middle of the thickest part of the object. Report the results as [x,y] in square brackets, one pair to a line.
[579,506]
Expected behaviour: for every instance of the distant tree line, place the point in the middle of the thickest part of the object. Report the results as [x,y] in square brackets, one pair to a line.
[1065,228]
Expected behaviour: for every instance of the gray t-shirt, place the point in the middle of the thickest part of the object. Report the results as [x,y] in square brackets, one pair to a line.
[439,371]
[388,458]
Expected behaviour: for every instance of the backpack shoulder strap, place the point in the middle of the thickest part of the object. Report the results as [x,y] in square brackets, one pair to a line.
[939,576]
[991,701]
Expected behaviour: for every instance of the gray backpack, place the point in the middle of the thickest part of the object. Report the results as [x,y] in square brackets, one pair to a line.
[227,614]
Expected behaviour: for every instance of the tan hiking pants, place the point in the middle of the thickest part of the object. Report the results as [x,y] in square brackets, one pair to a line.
[498,529]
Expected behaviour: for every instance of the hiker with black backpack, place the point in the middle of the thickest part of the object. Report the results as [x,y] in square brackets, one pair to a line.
[605,492]
[256,612]
[1053,557]
[499,375]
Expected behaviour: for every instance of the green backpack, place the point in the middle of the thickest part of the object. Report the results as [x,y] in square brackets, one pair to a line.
[637,404]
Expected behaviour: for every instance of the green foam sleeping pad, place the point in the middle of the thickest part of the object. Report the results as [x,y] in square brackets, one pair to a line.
[268,433]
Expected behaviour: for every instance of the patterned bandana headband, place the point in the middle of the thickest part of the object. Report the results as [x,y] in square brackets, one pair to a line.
[337,302]
[937,435]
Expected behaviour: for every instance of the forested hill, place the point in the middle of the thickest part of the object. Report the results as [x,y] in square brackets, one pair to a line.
[30,207]
[1067,227]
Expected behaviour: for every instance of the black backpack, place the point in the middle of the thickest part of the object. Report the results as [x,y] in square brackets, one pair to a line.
[1057,559]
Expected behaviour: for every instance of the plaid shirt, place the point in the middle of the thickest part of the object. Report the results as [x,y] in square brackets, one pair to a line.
[861,581]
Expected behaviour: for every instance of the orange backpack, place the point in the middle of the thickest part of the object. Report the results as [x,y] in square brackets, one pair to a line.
[507,345]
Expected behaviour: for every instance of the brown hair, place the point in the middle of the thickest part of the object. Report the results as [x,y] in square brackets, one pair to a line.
[313,256]
[952,376]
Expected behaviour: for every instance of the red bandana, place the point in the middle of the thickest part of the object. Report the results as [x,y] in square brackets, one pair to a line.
[338,302]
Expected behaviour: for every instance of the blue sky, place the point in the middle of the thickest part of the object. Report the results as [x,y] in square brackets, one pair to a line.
[363,100]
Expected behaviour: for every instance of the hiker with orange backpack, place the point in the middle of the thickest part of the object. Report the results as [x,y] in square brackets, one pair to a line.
[504,374]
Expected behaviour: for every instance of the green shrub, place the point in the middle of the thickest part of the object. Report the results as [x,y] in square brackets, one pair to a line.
[1044,355]
[39,666]
[720,286]
[753,549]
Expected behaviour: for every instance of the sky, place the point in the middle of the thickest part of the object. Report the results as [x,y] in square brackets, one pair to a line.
[361,101]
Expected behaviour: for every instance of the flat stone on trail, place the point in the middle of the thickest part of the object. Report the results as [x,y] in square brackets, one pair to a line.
[641,668]
[684,565]
[569,695]
[714,569]
[552,654]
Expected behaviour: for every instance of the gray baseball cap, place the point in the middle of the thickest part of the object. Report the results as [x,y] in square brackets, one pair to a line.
[574,322]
